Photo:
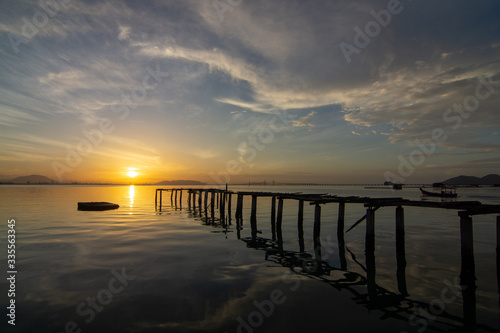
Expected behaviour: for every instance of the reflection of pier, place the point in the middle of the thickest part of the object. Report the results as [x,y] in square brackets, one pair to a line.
[205,202]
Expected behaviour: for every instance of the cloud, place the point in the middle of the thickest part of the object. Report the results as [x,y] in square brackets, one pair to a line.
[124,32]
[304,121]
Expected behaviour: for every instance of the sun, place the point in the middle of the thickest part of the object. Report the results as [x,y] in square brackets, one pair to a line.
[132,173]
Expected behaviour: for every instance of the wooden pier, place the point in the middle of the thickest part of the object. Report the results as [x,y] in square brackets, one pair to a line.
[206,201]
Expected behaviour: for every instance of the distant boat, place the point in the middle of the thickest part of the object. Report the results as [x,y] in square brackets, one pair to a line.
[443,194]
[97,206]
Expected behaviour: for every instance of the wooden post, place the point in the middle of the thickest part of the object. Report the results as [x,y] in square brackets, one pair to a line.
[230,196]
[253,218]
[175,197]
[400,251]
[180,199]
[273,217]
[279,223]
[222,209]
[467,271]
[498,257]
[206,201]
[156,197]
[212,206]
[218,195]
[239,207]
[171,196]
[300,226]
[317,231]
[161,198]
[340,235]
[199,201]
[189,198]
[370,254]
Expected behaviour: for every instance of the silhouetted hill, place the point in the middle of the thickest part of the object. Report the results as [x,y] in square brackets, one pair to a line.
[471,180]
[33,179]
[180,182]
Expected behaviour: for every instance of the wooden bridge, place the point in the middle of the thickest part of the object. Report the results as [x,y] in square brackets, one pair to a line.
[208,199]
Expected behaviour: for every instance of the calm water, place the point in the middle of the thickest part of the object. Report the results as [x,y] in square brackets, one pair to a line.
[135,269]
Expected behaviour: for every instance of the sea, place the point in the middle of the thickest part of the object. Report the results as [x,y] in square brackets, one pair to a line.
[141,268]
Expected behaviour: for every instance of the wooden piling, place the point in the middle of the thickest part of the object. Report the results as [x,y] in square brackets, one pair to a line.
[253,214]
[300,226]
[317,231]
[467,271]
[171,196]
[180,198]
[340,235]
[253,217]
[498,257]
[279,223]
[156,198]
[212,206]
[206,201]
[273,218]
[400,251]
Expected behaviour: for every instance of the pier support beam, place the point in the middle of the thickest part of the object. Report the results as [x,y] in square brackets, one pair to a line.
[498,257]
[239,207]
[229,198]
[279,222]
[180,198]
[467,271]
[273,217]
[300,226]
[340,235]
[400,251]
[253,217]
[370,254]
[212,207]
[317,232]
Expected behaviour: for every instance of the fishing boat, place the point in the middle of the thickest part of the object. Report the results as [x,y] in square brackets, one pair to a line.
[444,193]
[97,206]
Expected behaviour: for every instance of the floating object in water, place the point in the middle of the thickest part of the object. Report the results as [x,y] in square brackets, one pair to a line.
[97,206]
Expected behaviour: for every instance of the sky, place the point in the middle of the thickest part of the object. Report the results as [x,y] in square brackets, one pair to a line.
[237,90]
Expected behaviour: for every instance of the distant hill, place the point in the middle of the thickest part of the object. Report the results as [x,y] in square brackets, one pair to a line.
[33,179]
[471,180]
[180,182]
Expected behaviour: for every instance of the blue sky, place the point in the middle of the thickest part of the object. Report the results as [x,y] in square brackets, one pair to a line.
[249,90]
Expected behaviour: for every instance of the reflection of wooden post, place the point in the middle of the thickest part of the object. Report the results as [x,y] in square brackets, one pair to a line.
[467,272]
[340,235]
[317,231]
[400,251]
[279,222]
[273,217]
[300,226]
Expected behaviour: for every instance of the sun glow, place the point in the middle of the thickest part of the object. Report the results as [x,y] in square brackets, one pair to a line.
[132,173]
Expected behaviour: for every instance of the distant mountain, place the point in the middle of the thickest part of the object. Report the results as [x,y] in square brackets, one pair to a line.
[471,180]
[33,179]
[180,182]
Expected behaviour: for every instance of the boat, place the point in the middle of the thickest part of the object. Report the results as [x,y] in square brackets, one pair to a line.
[97,206]
[443,194]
